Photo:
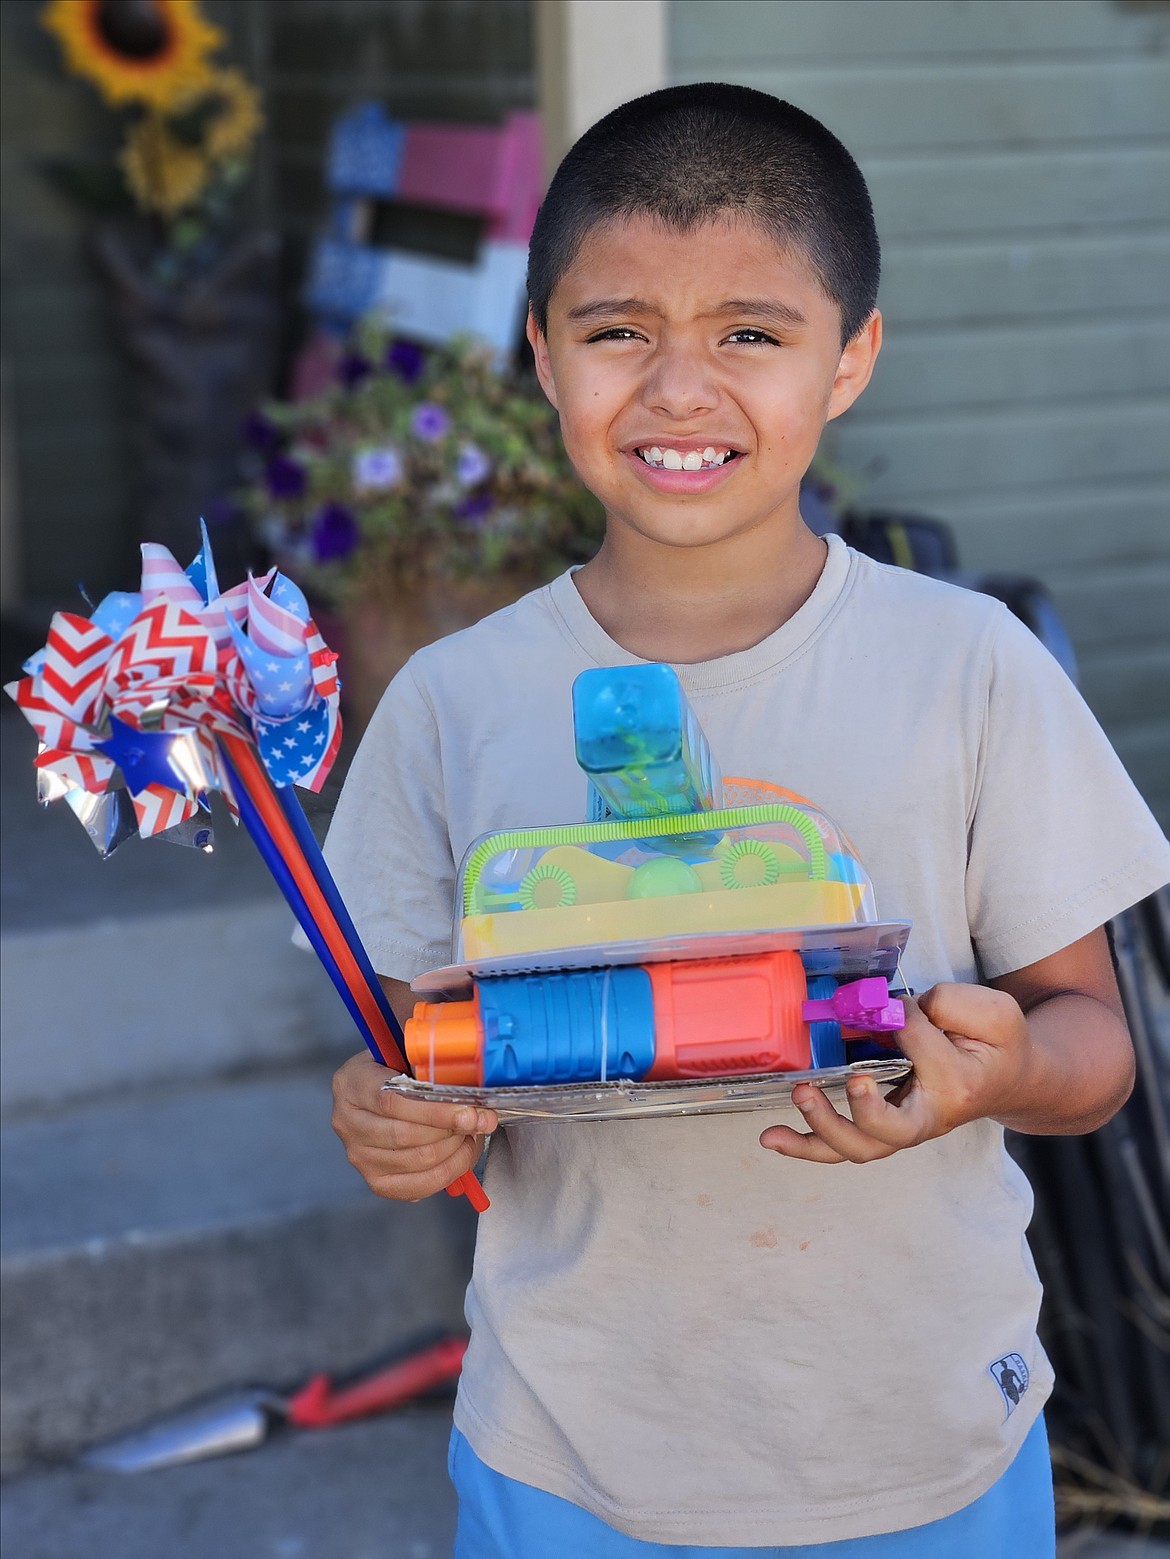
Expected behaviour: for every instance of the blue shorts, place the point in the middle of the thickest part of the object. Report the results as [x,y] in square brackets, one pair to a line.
[502,1519]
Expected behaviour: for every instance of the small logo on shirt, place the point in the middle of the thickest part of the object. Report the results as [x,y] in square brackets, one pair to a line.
[1010,1374]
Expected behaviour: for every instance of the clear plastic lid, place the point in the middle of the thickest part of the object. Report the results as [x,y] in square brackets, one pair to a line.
[766,867]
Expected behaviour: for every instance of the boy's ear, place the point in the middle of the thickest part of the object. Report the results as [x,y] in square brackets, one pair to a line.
[539,345]
[856,366]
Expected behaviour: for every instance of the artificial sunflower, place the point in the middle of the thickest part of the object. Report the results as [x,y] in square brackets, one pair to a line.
[238,120]
[165,174]
[135,51]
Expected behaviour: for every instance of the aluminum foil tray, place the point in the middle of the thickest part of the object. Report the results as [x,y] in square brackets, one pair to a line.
[625,1100]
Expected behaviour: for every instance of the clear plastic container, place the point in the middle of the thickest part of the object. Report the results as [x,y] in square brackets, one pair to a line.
[742,869]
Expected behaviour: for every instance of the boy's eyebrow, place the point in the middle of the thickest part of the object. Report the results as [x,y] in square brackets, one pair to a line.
[601,308]
[762,308]
[746,308]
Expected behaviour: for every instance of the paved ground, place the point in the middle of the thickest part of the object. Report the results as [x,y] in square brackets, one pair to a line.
[376,1490]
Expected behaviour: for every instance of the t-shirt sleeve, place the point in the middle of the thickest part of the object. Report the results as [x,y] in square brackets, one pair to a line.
[388,846]
[1060,840]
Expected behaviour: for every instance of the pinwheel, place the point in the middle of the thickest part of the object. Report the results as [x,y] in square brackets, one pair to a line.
[165,694]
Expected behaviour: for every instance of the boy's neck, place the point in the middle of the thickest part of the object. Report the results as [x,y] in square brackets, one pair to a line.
[691,604]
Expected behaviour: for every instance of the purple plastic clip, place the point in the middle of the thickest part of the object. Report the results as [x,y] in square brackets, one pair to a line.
[862,1004]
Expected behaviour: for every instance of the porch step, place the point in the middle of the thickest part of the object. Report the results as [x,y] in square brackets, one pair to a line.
[165,1246]
[134,1000]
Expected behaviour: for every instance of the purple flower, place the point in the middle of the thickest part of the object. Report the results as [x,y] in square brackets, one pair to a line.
[285,477]
[406,360]
[260,432]
[353,368]
[475,508]
[220,512]
[472,466]
[429,422]
[335,533]
[376,470]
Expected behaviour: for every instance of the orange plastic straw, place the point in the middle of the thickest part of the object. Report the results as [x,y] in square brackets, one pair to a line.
[255,779]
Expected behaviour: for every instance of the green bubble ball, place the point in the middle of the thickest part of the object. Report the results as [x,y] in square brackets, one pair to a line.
[663,878]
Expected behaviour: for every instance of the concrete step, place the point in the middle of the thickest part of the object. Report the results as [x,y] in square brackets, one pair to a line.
[160,1248]
[129,1001]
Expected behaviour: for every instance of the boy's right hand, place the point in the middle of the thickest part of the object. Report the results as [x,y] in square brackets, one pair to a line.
[404,1149]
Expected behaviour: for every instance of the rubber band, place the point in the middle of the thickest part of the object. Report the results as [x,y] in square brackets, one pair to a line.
[906,986]
[606,984]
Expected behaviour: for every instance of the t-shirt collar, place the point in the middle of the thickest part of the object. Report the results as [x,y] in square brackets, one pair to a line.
[726,671]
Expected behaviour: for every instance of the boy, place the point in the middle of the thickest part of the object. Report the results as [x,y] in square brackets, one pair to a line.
[679,1338]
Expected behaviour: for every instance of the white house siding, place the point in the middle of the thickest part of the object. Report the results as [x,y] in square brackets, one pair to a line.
[1018,152]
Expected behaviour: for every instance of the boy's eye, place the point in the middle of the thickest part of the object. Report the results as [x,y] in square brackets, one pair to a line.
[750,336]
[616,333]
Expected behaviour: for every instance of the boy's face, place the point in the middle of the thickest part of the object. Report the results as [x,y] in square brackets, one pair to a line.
[694,373]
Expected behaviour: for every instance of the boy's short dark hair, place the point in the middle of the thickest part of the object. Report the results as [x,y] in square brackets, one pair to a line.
[688,154]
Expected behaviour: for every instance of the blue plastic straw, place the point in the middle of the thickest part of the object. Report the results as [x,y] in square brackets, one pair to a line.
[285,881]
[311,850]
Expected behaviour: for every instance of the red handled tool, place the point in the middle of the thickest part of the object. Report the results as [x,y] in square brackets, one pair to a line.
[319,1403]
[243,1419]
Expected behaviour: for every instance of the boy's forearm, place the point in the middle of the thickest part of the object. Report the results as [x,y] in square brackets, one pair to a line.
[1078,1070]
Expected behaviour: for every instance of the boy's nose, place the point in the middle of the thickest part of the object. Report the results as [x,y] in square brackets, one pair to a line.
[680,383]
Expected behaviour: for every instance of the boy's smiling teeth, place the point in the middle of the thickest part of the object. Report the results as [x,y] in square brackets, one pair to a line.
[684,460]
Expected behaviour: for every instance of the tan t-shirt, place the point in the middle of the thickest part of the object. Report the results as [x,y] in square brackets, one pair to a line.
[698,1340]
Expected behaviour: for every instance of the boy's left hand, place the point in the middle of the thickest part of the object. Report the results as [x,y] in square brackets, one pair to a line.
[1046,1051]
[956,1078]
